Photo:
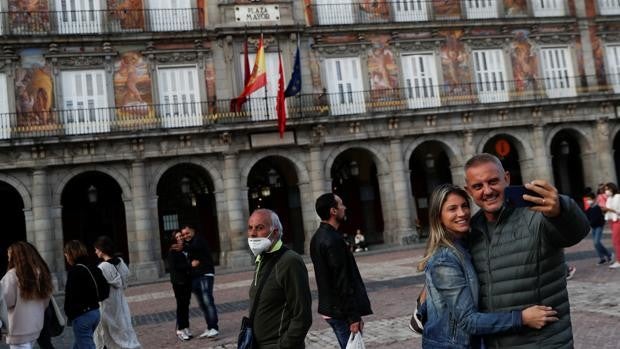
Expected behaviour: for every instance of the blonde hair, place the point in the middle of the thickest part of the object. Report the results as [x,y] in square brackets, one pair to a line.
[439,235]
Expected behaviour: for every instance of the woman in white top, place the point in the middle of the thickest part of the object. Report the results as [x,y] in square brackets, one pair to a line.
[613,206]
[115,330]
[26,289]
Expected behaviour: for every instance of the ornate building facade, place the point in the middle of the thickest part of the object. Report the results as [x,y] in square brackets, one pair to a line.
[116,118]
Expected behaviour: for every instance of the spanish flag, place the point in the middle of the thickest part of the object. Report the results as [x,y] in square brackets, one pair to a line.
[258,78]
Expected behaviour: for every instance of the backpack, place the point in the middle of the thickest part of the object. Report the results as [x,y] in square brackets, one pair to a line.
[101,284]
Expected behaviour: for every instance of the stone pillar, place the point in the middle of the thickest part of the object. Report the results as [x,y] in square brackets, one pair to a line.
[144,243]
[583,23]
[43,234]
[605,169]
[238,253]
[404,232]
[542,158]
[317,186]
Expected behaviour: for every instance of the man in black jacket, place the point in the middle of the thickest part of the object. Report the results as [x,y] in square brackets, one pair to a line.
[203,274]
[342,294]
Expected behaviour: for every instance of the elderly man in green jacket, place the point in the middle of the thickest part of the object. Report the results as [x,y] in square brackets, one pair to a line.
[283,313]
[518,252]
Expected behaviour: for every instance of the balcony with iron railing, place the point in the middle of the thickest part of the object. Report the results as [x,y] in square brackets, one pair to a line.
[99,21]
[412,100]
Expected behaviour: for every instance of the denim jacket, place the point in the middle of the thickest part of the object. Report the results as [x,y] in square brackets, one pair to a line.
[452,303]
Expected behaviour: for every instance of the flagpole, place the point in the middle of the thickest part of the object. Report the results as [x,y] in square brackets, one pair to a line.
[266,75]
[301,110]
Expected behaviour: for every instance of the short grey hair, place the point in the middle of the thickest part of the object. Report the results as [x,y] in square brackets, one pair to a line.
[275,220]
[484,158]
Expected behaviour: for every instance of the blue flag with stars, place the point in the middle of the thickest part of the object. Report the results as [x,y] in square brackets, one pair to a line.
[294,85]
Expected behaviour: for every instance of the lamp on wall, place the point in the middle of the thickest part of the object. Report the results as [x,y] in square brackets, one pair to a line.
[564,148]
[185,185]
[429,161]
[355,168]
[265,191]
[92,194]
[273,177]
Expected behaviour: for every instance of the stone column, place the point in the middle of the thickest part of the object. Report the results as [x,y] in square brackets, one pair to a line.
[319,183]
[404,233]
[583,23]
[542,158]
[237,255]
[43,234]
[144,243]
[605,169]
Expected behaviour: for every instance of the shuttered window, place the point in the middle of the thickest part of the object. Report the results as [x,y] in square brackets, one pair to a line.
[557,68]
[490,76]
[548,8]
[85,102]
[170,15]
[78,16]
[345,86]
[609,7]
[262,102]
[613,65]
[179,96]
[420,80]
[5,118]
[410,10]
[481,8]
[335,11]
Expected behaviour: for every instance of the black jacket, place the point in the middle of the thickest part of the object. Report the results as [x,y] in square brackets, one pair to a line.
[342,294]
[198,249]
[179,267]
[80,291]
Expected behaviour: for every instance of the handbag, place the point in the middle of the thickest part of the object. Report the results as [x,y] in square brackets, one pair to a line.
[54,320]
[245,340]
[418,318]
[356,341]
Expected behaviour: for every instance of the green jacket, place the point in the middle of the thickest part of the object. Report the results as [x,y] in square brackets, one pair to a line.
[283,315]
[521,263]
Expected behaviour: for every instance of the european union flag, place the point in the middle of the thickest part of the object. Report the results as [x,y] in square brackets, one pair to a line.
[294,85]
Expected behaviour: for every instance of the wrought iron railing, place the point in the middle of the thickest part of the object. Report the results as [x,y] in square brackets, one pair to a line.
[413,98]
[99,21]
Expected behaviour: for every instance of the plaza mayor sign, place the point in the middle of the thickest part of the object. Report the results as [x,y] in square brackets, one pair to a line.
[257,13]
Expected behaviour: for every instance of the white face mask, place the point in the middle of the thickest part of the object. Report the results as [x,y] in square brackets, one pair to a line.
[259,245]
[608,193]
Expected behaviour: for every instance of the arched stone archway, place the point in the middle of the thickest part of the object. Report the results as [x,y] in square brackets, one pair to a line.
[354,179]
[273,183]
[567,164]
[13,221]
[505,148]
[186,196]
[429,166]
[92,205]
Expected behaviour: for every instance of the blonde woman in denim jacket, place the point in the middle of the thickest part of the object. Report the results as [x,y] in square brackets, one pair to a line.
[453,320]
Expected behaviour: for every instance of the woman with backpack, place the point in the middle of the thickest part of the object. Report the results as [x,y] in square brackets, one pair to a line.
[85,287]
[115,329]
[26,289]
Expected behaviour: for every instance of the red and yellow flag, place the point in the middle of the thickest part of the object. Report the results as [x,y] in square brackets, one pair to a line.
[258,78]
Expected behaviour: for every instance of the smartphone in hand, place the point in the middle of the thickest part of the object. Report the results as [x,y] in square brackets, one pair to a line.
[513,196]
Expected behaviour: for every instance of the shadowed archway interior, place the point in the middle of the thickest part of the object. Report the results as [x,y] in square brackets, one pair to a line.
[568,165]
[503,146]
[13,221]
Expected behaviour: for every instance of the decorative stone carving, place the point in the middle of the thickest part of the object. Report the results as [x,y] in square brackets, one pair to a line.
[318,133]
[341,48]
[502,114]
[487,42]
[556,38]
[602,127]
[392,123]
[570,109]
[605,107]
[38,152]
[225,138]
[185,141]
[536,112]
[417,45]
[88,148]
[354,127]
[431,120]
[137,145]
[467,117]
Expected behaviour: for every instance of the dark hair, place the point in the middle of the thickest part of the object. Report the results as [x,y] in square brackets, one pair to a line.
[74,250]
[105,245]
[613,187]
[324,204]
[591,195]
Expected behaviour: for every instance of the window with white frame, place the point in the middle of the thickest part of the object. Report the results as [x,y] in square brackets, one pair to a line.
[490,75]
[78,16]
[613,66]
[410,10]
[179,96]
[420,80]
[558,74]
[262,103]
[85,102]
[548,8]
[481,8]
[335,11]
[609,7]
[345,86]
[5,118]
[170,15]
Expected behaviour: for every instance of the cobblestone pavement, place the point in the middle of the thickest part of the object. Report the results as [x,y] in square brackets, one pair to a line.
[392,282]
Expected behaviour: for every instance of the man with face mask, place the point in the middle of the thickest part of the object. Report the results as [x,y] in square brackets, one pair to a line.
[342,294]
[282,316]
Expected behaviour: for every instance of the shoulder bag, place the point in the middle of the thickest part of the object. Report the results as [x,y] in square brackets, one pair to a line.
[54,319]
[246,336]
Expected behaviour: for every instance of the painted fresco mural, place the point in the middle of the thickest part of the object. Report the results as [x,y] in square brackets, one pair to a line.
[374,9]
[132,86]
[455,67]
[598,51]
[446,8]
[128,13]
[29,16]
[515,8]
[382,68]
[34,92]
[524,61]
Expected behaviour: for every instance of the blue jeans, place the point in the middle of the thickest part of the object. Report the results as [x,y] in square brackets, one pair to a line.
[202,287]
[341,329]
[597,235]
[83,329]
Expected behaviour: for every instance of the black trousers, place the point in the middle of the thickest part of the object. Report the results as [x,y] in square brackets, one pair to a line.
[183,295]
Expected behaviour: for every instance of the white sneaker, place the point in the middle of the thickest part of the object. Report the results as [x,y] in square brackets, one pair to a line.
[182,335]
[188,332]
[209,333]
[616,265]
